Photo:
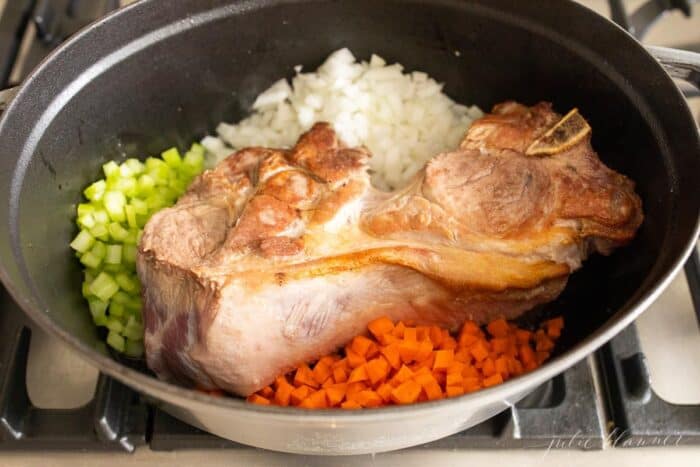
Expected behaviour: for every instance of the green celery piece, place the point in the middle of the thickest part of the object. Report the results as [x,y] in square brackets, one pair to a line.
[82,242]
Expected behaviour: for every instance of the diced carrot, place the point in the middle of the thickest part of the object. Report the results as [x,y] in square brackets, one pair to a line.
[422,333]
[492,380]
[469,371]
[360,345]
[350,405]
[470,327]
[408,349]
[358,374]
[425,348]
[401,376]
[542,342]
[354,359]
[453,379]
[453,391]
[443,359]
[340,375]
[526,354]
[354,388]
[299,394]
[448,343]
[336,393]
[283,393]
[466,339]
[328,360]
[472,383]
[399,329]
[380,327]
[523,336]
[479,350]
[304,375]
[435,335]
[540,357]
[384,391]
[391,353]
[455,367]
[372,351]
[501,364]
[488,367]
[406,393]
[410,334]
[377,370]
[499,344]
[266,392]
[328,382]
[388,339]
[554,326]
[321,371]
[463,355]
[258,399]
[498,328]
[369,398]
[515,368]
[315,400]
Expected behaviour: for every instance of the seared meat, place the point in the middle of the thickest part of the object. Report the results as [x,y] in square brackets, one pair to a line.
[276,257]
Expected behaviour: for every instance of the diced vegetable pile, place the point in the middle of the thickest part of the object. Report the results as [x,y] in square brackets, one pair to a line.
[111,222]
[402,364]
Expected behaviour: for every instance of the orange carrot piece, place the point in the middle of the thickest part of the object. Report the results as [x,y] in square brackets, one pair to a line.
[470,327]
[471,384]
[435,335]
[384,391]
[453,391]
[377,370]
[554,326]
[425,348]
[453,379]
[488,366]
[258,399]
[500,344]
[479,350]
[321,371]
[523,336]
[380,326]
[542,342]
[369,398]
[360,345]
[315,400]
[501,366]
[354,388]
[353,358]
[283,393]
[423,333]
[463,355]
[498,328]
[304,375]
[350,405]
[406,393]
[340,375]
[443,359]
[399,329]
[266,392]
[401,376]
[410,334]
[392,355]
[492,380]
[408,349]
[336,393]
[299,394]
[358,374]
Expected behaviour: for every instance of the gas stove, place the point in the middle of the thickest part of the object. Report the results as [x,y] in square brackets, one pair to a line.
[627,395]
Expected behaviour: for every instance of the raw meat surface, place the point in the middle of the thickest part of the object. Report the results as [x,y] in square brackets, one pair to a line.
[277,257]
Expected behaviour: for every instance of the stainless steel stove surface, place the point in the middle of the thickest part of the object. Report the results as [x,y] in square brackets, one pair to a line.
[641,390]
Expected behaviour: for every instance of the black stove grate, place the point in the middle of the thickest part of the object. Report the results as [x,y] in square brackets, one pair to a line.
[567,412]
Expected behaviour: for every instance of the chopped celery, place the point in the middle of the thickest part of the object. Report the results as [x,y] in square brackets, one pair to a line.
[133,348]
[172,158]
[130,216]
[110,168]
[116,341]
[117,232]
[95,191]
[114,202]
[113,255]
[90,260]
[82,242]
[104,287]
[111,223]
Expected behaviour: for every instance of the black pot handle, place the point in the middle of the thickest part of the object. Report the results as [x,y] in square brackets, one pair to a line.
[680,64]
[6,96]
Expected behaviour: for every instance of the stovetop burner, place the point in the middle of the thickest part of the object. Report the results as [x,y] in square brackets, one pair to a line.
[606,400]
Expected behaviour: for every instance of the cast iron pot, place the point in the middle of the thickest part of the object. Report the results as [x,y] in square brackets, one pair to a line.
[161,73]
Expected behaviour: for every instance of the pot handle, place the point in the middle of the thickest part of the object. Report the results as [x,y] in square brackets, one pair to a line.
[680,64]
[6,96]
